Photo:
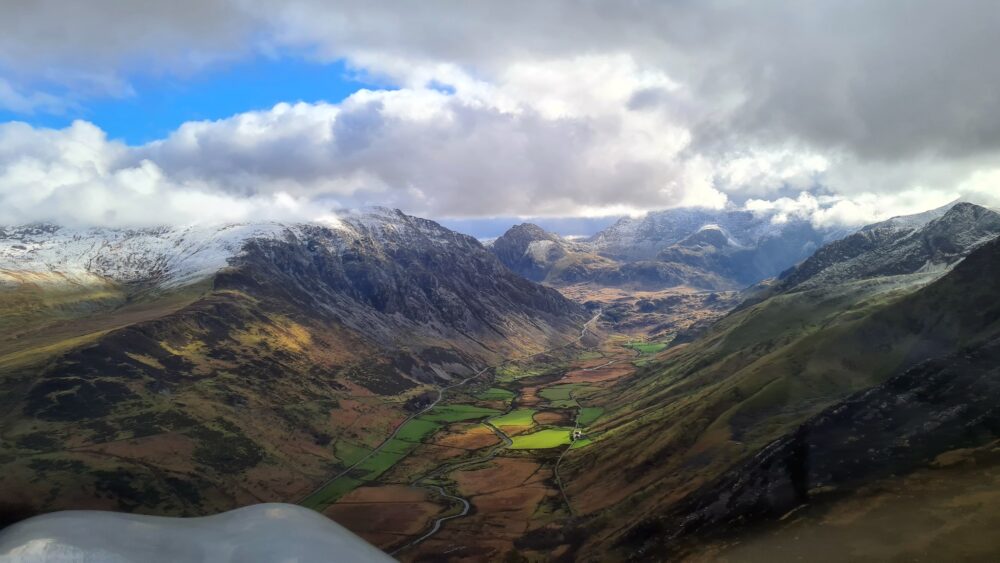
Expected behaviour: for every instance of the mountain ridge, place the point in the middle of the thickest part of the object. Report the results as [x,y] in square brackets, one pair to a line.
[704,249]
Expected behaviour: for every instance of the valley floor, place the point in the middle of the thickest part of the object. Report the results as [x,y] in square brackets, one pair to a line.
[475,476]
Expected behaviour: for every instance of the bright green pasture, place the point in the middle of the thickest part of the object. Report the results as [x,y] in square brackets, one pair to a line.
[547,438]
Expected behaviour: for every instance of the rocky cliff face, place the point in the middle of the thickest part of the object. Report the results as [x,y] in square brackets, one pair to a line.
[538,255]
[407,278]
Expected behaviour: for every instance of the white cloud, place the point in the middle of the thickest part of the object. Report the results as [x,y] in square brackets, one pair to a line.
[839,111]
[77,176]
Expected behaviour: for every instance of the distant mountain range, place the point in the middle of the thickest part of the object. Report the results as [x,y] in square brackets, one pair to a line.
[703,249]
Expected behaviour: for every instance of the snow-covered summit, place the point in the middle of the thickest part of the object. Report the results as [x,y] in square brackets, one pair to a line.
[172,256]
[169,256]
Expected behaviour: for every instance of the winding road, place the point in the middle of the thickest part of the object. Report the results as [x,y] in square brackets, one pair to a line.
[494,451]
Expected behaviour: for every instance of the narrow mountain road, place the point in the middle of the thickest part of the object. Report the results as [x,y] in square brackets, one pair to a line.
[555,469]
[506,442]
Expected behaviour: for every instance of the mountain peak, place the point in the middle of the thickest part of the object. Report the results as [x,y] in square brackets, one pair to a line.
[926,242]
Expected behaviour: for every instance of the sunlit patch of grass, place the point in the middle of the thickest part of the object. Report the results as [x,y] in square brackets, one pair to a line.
[646,348]
[280,333]
[349,453]
[543,439]
[519,417]
[513,372]
[146,360]
[33,355]
[417,429]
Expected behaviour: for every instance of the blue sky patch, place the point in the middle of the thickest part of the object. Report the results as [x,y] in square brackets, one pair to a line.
[162,103]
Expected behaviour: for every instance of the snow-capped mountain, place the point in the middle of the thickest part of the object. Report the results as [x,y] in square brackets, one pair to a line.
[926,243]
[169,257]
[374,258]
[644,237]
[678,247]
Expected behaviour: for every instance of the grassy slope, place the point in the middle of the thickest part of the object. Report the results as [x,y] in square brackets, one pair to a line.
[760,373]
[189,403]
[946,512]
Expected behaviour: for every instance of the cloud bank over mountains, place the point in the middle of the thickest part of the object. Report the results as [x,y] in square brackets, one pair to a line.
[843,112]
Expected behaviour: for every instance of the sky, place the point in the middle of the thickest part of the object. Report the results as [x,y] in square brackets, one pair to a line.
[134,112]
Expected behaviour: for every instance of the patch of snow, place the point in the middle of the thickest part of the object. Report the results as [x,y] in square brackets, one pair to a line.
[730,240]
[173,257]
[539,250]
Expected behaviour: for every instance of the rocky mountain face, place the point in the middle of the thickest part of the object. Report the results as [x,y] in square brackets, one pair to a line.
[681,247]
[539,255]
[185,371]
[898,247]
[808,390]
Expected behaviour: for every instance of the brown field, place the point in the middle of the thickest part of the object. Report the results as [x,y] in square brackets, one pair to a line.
[554,418]
[385,515]
[458,440]
[467,437]
[609,373]
[501,474]
[529,397]
[505,496]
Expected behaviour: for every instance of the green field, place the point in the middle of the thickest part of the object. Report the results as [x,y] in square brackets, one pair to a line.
[588,415]
[581,443]
[646,348]
[513,372]
[458,413]
[558,392]
[349,453]
[495,394]
[560,395]
[417,429]
[330,493]
[519,417]
[548,438]
[409,436]
[379,463]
